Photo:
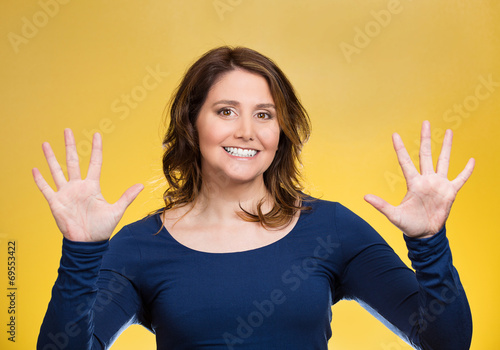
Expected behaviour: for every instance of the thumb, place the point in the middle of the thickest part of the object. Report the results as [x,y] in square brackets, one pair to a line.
[128,196]
[381,205]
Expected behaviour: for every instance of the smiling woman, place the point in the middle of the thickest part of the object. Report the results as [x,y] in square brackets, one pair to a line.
[239,257]
[227,92]
[238,138]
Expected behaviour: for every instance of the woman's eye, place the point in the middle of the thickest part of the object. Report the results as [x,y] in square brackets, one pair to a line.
[225,112]
[263,115]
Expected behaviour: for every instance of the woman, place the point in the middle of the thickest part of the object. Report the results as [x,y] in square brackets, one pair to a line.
[239,257]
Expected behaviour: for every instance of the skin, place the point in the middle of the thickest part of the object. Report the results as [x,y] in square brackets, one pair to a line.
[430,195]
[208,224]
[238,112]
[78,206]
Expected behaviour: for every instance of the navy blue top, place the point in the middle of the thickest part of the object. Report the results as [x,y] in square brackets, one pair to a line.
[275,297]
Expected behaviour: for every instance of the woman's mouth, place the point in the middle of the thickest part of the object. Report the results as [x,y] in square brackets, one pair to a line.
[241,152]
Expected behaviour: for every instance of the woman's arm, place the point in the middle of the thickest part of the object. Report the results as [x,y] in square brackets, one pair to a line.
[431,309]
[86,221]
[92,304]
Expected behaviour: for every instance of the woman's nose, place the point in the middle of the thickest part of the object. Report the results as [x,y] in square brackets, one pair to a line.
[245,128]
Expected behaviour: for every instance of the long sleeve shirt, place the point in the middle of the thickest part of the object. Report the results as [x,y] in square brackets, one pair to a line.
[279,296]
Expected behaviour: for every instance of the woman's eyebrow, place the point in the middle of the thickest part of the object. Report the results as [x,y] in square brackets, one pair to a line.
[227,102]
[266,105]
[236,103]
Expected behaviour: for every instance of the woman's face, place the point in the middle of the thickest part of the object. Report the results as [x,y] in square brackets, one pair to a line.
[237,128]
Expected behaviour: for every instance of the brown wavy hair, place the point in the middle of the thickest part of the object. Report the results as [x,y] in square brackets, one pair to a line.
[182,157]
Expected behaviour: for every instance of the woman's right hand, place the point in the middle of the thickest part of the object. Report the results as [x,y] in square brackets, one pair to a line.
[81,212]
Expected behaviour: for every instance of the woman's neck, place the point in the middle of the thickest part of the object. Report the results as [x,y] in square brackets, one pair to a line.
[221,201]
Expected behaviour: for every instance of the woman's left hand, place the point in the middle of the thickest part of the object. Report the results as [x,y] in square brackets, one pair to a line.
[430,195]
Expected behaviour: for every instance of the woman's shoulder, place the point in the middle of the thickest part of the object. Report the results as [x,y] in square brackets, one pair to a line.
[323,207]
[344,221]
[129,244]
[147,226]
[151,221]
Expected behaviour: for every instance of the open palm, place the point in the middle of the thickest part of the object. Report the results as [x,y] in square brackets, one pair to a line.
[430,195]
[80,210]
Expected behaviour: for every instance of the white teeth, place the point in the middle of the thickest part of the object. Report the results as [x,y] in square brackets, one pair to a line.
[240,152]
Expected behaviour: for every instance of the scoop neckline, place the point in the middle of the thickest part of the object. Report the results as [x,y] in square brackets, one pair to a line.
[185,247]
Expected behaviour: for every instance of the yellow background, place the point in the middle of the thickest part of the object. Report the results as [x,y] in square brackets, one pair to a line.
[73,67]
